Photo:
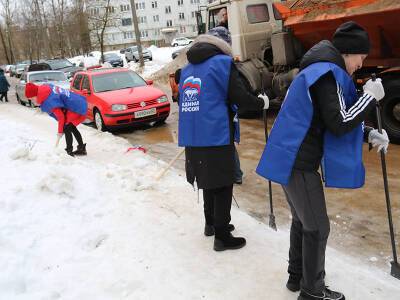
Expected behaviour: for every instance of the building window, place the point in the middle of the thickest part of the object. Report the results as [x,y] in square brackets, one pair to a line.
[154,4]
[169,23]
[180,2]
[142,20]
[128,35]
[125,7]
[193,14]
[194,28]
[194,1]
[140,5]
[110,9]
[181,16]
[94,11]
[126,22]
[157,32]
[168,9]
[156,18]
[182,29]
[144,33]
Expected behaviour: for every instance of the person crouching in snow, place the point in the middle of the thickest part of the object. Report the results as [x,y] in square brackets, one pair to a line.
[68,108]
[321,119]
[209,88]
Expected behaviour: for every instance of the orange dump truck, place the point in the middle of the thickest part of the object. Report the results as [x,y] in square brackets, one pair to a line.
[269,38]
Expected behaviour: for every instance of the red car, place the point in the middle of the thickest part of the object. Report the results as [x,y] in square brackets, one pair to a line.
[120,98]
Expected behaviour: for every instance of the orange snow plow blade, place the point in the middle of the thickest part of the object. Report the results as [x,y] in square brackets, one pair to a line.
[312,21]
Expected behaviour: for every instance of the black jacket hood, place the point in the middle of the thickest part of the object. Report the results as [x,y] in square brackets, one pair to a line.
[206,46]
[324,51]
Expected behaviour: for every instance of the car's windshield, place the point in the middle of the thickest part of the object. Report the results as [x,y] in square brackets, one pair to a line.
[21,66]
[47,76]
[59,64]
[116,81]
[111,56]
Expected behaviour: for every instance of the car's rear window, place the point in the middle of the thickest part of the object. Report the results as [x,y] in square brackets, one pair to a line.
[59,64]
[47,76]
[116,81]
[257,13]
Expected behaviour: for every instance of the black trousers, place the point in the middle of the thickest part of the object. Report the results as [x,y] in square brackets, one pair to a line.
[70,130]
[309,231]
[3,95]
[217,206]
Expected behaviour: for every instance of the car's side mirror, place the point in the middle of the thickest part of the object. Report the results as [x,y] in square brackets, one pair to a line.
[85,92]
[149,82]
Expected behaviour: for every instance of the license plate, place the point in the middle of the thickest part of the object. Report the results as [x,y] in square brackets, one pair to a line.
[145,113]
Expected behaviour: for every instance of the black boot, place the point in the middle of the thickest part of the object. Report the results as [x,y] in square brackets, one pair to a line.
[69,151]
[326,294]
[293,283]
[81,150]
[210,231]
[224,240]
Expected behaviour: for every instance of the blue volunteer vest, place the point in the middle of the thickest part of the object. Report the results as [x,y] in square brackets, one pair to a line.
[203,107]
[61,98]
[342,159]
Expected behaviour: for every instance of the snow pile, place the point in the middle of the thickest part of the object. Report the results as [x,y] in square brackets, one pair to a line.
[100,227]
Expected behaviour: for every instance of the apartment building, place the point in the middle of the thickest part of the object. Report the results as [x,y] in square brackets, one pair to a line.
[160,21]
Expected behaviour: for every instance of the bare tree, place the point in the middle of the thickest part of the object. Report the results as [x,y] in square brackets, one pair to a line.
[8,13]
[101,15]
[137,33]
[59,10]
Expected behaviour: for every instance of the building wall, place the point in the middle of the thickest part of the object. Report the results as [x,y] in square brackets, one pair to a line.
[160,21]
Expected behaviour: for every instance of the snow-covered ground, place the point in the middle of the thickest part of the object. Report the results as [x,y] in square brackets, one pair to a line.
[101,227]
[161,56]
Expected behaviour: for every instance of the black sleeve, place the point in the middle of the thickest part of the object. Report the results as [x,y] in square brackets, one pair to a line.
[241,96]
[329,98]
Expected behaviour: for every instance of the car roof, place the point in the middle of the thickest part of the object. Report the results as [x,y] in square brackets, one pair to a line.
[98,71]
[44,71]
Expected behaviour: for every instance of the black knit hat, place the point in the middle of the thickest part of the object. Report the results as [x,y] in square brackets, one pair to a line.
[351,38]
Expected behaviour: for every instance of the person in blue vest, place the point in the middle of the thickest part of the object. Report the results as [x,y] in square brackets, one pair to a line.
[68,108]
[209,88]
[321,122]
[4,86]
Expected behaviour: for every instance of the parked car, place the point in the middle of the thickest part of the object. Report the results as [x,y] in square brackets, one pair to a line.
[13,70]
[19,69]
[120,98]
[57,78]
[122,51]
[113,59]
[179,51]
[181,41]
[62,64]
[132,53]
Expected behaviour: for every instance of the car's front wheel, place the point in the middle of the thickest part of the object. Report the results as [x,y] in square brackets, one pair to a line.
[98,121]
[175,45]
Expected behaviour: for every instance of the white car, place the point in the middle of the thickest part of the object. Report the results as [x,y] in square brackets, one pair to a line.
[57,78]
[182,41]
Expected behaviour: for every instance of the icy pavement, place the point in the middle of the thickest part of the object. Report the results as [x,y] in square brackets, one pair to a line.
[100,227]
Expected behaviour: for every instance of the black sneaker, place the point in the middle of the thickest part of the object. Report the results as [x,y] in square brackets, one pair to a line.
[293,283]
[210,231]
[327,294]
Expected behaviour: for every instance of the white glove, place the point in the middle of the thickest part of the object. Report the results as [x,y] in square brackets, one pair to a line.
[375,89]
[379,139]
[265,99]
[59,136]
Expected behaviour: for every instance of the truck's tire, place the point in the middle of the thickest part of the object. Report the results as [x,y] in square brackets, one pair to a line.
[391,109]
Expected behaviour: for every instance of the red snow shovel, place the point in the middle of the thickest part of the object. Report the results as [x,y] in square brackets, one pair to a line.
[395,271]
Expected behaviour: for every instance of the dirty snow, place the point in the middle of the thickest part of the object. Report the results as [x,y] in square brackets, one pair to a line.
[100,227]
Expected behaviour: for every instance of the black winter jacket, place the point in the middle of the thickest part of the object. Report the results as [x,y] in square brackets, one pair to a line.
[327,110]
[213,167]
